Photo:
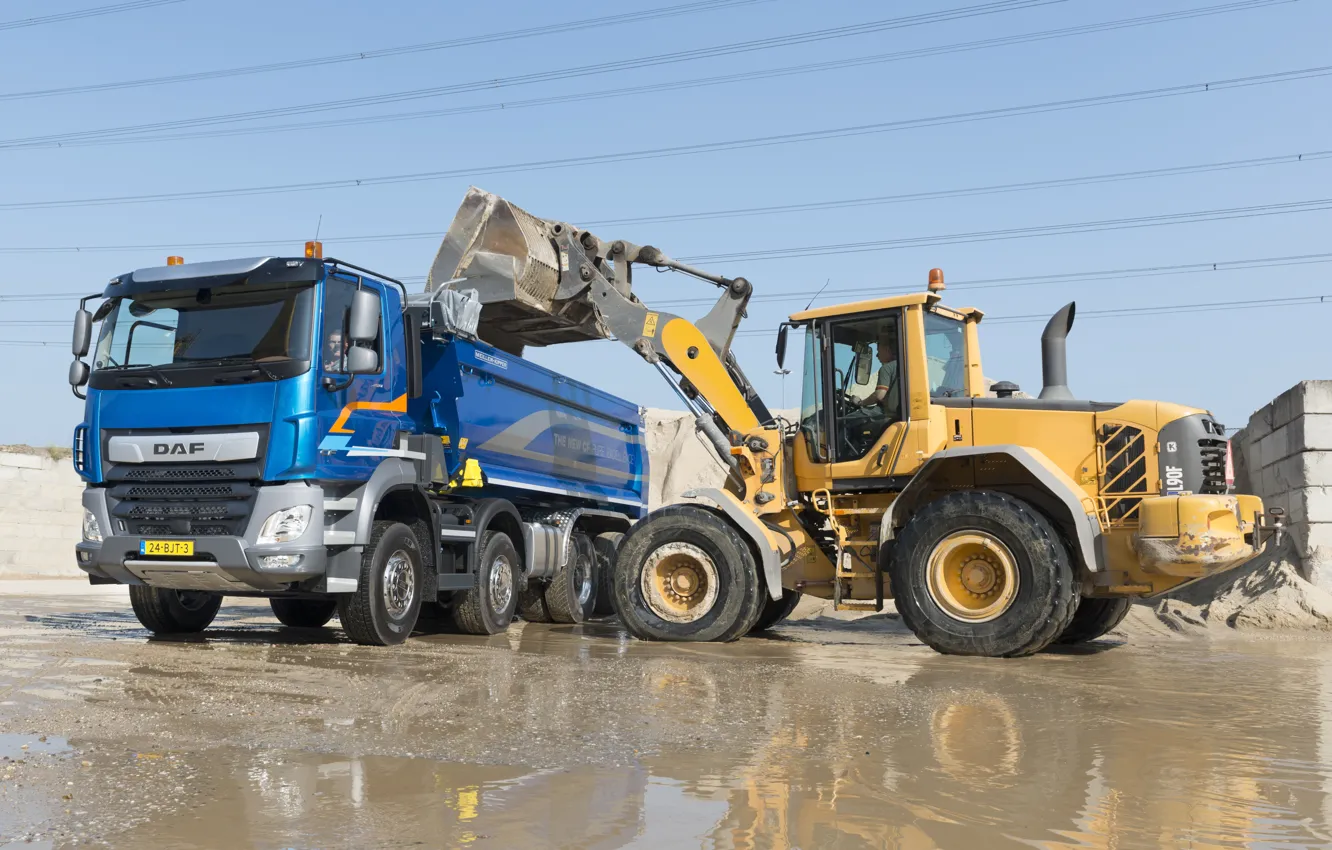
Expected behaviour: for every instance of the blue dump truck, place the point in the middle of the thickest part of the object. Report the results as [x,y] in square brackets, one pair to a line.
[305,430]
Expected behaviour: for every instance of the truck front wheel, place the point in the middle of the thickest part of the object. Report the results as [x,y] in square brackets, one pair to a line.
[383,609]
[685,574]
[983,573]
[164,611]
[488,607]
[303,613]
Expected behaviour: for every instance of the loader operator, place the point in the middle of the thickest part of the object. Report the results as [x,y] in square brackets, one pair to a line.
[886,395]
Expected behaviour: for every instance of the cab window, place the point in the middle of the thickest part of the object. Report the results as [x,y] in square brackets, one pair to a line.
[945,356]
[333,336]
[866,382]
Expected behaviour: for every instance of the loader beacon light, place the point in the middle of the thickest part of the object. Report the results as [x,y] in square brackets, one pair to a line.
[936,280]
[314,250]
[175,261]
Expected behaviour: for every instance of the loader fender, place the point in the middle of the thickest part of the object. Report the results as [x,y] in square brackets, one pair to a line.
[751,528]
[1024,473]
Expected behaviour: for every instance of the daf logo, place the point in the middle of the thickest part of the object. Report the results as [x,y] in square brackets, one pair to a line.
[177,448]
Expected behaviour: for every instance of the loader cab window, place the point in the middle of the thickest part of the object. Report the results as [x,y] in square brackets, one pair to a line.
[945,356]
[333,336]
[866,383]
[811,400]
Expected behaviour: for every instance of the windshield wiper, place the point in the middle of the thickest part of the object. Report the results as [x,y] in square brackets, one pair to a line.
[153,370]
[237,361]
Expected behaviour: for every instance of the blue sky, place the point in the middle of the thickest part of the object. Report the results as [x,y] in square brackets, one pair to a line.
[1231,361]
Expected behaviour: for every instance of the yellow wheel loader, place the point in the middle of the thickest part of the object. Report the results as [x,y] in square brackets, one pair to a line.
[998,523]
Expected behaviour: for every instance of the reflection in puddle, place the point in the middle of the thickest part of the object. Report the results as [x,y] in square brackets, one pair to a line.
[20,746]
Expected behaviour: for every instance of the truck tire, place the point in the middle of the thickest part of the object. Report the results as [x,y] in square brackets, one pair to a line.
[303,613]
[532,603]
[487,608]
[606,545]
[1094,618]
[383,609]
[983,573]
[163,611]
[573,590]
[776,610]
[685,574]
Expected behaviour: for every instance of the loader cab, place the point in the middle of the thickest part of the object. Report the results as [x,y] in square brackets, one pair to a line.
[871,371]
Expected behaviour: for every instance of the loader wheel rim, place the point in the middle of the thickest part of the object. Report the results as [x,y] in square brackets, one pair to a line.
[399,584]
[972,576]
[680,582]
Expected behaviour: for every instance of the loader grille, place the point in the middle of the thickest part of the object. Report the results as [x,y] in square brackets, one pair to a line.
[1123,461]
[1213,454]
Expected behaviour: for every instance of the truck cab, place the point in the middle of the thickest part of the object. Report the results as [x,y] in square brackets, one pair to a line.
[258,427]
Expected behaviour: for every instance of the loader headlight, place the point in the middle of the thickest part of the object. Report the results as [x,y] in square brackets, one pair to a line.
[285,525]
[92,532]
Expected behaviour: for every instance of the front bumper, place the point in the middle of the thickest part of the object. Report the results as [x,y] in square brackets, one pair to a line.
[1192,536]
[220,563]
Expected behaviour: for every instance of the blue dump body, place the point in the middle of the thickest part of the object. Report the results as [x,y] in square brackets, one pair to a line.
[534,432]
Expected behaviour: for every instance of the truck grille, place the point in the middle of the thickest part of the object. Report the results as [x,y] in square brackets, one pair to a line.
[182,500]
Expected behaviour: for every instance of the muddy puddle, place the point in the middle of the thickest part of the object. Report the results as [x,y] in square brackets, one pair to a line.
[827,736]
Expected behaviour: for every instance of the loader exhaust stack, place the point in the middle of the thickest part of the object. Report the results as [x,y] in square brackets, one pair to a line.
[1054,356]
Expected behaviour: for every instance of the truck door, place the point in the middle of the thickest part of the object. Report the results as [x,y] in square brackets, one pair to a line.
[359,417]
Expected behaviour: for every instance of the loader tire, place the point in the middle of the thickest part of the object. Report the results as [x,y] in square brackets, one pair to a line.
[606,545]
[163,611]
[685,574]
[303,613]
[776,610]
[573,589]
[383,609]
[1094,618]
[983,573]
[487,608]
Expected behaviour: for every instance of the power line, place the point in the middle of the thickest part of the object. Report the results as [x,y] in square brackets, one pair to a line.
[796,39]
[1135,222]
[403,50]
[79,14]
[1096,276]
[1215,306]
[1128,312]
[131,136]
[810,206]
[690,150]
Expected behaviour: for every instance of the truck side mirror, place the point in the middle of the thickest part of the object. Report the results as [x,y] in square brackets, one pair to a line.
[82,333]
[781,345]
[363,324]
[362,361]
[78,375]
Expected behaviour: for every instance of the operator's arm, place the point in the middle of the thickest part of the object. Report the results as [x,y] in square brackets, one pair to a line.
[882,388]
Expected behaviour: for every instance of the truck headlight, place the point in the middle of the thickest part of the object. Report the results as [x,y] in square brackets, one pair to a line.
[92,532]
[285,525]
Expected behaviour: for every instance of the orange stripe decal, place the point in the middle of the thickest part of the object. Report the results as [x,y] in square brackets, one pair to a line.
[398,405]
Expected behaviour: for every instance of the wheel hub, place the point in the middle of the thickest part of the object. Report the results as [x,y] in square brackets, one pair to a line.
[972,576]
[500,586]
[679,582]
[399,584]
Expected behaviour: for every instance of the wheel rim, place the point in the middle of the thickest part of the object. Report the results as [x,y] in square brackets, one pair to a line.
[399,584]
[972,576]
[582,577]
[680,582]
[193,600]
[500,585]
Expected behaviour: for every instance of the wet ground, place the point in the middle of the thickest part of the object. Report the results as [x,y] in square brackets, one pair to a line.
[840,735]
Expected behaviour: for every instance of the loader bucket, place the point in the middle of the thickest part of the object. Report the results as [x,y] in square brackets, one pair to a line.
[509,257]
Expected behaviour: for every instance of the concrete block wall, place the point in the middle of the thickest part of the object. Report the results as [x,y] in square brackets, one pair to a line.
[1284,455]
[41,515]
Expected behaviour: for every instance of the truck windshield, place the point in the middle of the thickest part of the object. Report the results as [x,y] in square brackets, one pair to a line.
[265,327]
